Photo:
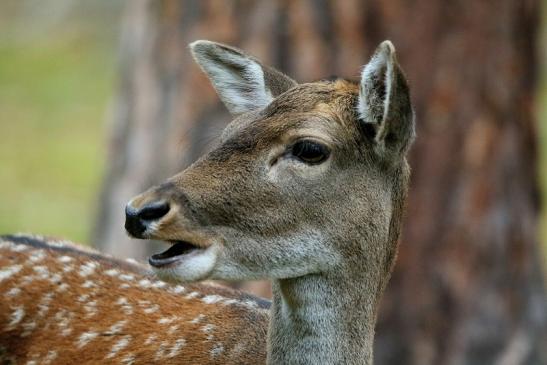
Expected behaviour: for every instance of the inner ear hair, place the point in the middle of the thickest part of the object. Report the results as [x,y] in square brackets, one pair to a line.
[241,81]
[384,105]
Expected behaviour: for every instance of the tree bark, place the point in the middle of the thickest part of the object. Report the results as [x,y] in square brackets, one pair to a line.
[468,286]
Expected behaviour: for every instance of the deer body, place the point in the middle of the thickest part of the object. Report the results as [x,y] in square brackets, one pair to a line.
[60,304]
[306,187]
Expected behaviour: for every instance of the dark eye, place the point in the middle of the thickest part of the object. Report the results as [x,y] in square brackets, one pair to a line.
[310,152]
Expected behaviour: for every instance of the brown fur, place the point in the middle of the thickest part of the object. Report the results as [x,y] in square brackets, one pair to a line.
[243,341]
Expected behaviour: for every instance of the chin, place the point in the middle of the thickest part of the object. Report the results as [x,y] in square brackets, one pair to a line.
[180,264]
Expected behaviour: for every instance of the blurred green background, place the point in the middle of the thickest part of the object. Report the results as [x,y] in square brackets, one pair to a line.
[58,67]
[57,78]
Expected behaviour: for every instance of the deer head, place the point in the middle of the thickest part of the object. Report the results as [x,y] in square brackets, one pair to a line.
[307,178]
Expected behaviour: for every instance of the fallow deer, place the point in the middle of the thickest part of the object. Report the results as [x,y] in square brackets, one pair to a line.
[306,187]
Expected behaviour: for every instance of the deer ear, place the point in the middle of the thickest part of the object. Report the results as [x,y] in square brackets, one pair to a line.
[385,109]
[240,80]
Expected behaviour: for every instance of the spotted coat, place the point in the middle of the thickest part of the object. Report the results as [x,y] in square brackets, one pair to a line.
[63,304]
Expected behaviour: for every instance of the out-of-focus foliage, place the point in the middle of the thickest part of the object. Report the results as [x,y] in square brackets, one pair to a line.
[57,63]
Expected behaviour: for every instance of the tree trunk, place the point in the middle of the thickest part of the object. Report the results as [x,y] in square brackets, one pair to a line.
[468,287]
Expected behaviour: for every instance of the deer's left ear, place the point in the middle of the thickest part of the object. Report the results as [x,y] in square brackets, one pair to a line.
[241,81]
[385,109]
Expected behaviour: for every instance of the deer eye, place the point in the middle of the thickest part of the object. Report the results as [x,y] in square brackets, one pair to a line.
[310,152]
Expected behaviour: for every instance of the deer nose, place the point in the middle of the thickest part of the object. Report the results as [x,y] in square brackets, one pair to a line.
[137,220]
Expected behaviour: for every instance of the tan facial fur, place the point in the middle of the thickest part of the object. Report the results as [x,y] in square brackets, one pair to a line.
[257,212]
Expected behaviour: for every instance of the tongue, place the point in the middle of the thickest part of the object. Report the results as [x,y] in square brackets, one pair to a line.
[170,255]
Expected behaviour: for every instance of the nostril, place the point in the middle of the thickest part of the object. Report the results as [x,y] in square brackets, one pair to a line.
[133,224]
[153,211]
[138,220]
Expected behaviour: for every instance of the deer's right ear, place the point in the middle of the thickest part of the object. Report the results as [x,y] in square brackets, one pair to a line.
[385,109]
[241,81]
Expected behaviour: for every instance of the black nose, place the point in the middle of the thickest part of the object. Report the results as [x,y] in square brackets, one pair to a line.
[137,220]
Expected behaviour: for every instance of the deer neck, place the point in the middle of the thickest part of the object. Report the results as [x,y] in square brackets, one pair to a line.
[321,319]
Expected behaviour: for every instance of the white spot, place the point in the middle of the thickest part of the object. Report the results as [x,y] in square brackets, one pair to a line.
[132,261]
[167,320]
[129,359]
[144,283]
[159,284]
[230,301]
[55,243]
[161,350]
[89,284]
[51,355]
[210,299]
[62,287]
[19,248]
[37,256]
[116,328]
[28,328]
[28,279]
[121,344]
[43,306]
[85,338]
[112,272]
[64,259]
[42,271]
[16,317]
[127,277]
[148,306]
[13,292]
[151,339]
[177,289]
[63,319]
[31,362]
[126,307]
[217,349]
[198,319]
[91,308]
[55,278]
[192,295]
[124,286]
[179,344]
[9,271]
[87,269]
[68,268]
[172,329]
[83,298]
[154,308]
[207,329]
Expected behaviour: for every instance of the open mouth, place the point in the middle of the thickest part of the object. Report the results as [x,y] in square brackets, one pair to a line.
[176,252]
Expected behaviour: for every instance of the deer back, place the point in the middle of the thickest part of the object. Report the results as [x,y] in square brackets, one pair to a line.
[63,304]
